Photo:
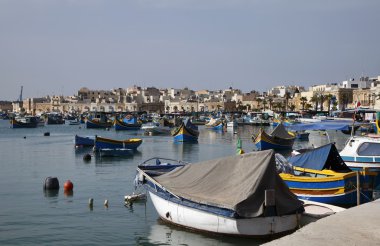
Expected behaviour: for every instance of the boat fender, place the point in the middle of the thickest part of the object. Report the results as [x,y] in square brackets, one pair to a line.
[51,183]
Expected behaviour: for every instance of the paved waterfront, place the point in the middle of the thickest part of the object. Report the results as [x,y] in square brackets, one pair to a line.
[355,226]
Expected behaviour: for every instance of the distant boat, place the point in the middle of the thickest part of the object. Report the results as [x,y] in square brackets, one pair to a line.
[186,132]
[278,139]
[250,199]
[54,119]
[158,127]
[127,124]
[87,141]
[98,120]
[107,143]
[24,122]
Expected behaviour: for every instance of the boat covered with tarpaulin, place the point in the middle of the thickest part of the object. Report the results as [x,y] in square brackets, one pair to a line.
[186,132]
[321,175]
[278,139]
[236,195]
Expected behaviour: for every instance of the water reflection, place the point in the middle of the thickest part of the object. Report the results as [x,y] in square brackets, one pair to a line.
[51,193]
[162,233]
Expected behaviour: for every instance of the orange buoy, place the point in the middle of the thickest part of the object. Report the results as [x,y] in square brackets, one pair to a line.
[68,185]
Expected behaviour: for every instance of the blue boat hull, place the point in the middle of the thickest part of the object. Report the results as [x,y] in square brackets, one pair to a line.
[346,199]
[92,124]
[121,126]
[262,145]
[185,138]
[84,141]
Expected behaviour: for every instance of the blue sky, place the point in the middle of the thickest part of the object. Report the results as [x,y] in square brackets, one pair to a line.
[59,46]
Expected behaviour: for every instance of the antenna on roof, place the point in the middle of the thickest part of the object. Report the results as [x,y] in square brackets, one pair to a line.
[20,97]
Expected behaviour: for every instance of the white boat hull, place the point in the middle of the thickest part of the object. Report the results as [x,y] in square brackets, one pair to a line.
[201,220]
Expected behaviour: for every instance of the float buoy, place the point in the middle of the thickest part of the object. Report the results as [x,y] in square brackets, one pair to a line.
[106,203]
[87,157]
[68,186]
[51,183]
[47,134]
[24,137]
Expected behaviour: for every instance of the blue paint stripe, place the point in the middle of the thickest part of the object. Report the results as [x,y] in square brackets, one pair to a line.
[344,199]
[315,185]
[364,159]
[185,138]
[348,158]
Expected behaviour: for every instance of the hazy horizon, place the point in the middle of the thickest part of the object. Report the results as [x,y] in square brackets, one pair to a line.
[54,47]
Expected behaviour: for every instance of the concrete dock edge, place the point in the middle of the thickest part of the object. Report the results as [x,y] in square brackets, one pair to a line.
[355,226]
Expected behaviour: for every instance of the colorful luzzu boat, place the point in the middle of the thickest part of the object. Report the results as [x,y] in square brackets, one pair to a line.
[123,125]
[107,143]
[321,175]
[186,132]
[279,139]
[24,122]
[97,123]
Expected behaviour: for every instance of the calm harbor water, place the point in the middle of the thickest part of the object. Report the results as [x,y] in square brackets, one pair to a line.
[29,216]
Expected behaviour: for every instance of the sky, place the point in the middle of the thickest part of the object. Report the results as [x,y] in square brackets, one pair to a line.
[55,47]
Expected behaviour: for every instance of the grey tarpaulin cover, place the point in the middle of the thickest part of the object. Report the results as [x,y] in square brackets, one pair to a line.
[281,132]
[235,182]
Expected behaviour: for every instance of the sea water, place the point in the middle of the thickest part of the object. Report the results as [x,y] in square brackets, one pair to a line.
[30,216]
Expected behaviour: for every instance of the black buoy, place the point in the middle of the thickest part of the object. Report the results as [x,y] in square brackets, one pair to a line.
[51,183]
[24,137]
[47,134]
[87,157]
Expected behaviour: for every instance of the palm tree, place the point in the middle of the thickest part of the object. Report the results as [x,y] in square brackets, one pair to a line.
[322,99]
[264,103]
[292,107]
[328,99]
[303,102]
[270,103]
[258,100]
[287,97]
[314,100]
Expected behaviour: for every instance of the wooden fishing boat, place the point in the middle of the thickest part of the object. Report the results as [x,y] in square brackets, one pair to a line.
[156,128]
[98,120]
[87,141]
[250,199]
[107,143]
[186,132]
[130,123]
[24,122]
[321,175]
[95,123]
[279,139]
